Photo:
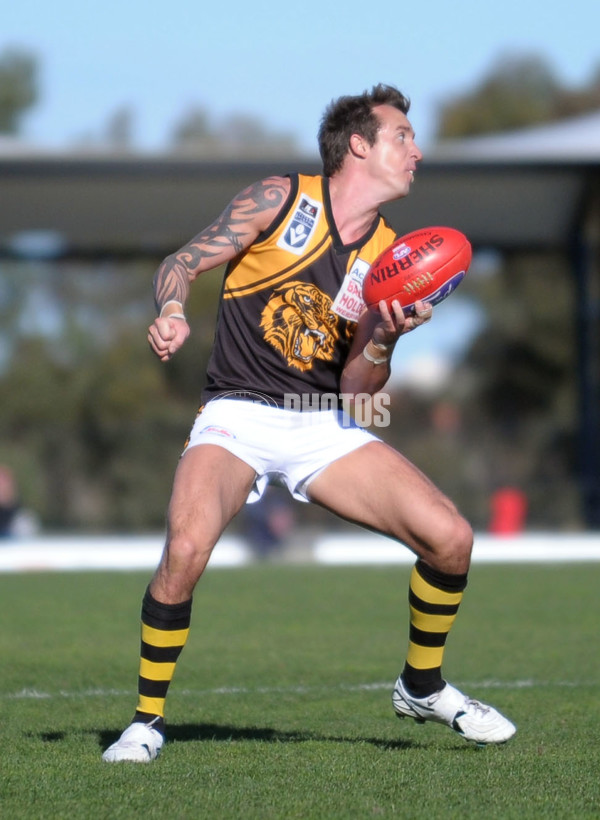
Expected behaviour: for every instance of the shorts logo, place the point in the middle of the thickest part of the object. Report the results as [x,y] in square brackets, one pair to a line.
[217,431]
[301,226]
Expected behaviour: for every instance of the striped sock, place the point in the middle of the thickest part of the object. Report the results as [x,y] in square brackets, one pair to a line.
[434,598]
[165,628]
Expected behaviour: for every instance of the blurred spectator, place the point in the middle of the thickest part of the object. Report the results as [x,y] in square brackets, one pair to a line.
[15,520]
[509,511]
[268,523]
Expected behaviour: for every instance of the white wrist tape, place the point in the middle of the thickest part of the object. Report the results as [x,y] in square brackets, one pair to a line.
[379,346]
[374,359]
[178,315]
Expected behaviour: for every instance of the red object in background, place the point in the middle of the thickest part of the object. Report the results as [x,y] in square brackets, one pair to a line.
[509,511]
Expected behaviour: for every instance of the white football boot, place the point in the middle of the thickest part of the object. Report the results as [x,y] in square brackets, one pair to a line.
[471,719]
[139,743]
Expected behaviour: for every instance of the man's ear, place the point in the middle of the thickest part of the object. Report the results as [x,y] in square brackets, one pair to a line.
[358,146]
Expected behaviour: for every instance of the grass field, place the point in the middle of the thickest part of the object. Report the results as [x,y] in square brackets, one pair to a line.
[280,707]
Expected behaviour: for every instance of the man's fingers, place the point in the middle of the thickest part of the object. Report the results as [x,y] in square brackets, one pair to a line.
[165,328]
[423,311]
[166,336]
[394,318]
[162,333]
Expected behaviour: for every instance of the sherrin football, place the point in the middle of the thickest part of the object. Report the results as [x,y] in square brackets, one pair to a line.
[427,264]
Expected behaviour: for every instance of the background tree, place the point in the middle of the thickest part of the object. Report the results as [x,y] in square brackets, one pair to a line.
[237,135]
[518,91]
[18,87]
[90,421]
[119,129]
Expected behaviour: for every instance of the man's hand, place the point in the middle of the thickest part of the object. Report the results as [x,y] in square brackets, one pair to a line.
[167,335]
[393,325]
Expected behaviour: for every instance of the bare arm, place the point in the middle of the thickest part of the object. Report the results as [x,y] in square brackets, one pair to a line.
[246,216]
[375,338]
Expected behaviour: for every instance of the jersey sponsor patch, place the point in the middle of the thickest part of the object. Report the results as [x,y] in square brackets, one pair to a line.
[349,302]
[301,225]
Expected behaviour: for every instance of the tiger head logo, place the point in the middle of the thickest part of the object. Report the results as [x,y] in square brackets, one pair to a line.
[299,323]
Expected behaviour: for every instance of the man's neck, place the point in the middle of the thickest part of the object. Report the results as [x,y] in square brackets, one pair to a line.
[352,212]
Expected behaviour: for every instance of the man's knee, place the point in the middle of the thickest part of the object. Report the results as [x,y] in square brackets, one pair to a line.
[461,540]
[184,550]
[183,561]
[454,543]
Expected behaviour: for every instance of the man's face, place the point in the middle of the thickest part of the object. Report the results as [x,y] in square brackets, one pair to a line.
[392,160]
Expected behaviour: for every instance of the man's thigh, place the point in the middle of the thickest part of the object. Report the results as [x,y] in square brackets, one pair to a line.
[377,487]
[210,486]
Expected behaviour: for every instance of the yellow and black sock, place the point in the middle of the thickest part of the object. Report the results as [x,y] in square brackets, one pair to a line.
[434,598]
[165,628]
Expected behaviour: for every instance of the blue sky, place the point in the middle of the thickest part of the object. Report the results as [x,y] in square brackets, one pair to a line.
[280,61]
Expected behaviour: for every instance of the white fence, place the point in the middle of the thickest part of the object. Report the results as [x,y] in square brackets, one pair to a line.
[71,552]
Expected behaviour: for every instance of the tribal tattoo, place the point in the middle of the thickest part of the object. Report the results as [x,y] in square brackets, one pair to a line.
[229,230]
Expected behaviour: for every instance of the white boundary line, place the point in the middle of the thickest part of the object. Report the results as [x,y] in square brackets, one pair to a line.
[35,694]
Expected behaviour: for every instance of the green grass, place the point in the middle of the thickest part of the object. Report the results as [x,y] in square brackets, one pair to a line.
[280,707]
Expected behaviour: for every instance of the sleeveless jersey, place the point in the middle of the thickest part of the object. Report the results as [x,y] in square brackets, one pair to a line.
[290,302]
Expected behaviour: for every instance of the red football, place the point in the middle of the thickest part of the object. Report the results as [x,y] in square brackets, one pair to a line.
[427,264]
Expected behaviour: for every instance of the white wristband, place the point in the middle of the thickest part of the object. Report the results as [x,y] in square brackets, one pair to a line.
[174,316]
[372,359]
[377,348]
[172,302]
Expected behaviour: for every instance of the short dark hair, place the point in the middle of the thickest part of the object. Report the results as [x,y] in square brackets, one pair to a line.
[354,115]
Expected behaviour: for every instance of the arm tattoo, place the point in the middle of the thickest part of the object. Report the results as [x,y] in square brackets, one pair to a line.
[171,282]
[230,230]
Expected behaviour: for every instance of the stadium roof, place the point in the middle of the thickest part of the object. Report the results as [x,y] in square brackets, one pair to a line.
[527,188]
[576,140]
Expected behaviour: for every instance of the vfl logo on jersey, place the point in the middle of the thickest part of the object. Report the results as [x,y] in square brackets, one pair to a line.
[349,302]
[299,323]
[301,226]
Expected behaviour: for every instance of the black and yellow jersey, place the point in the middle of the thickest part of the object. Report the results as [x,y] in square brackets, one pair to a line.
[290,302]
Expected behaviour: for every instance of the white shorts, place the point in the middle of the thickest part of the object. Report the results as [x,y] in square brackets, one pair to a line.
[286,447]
